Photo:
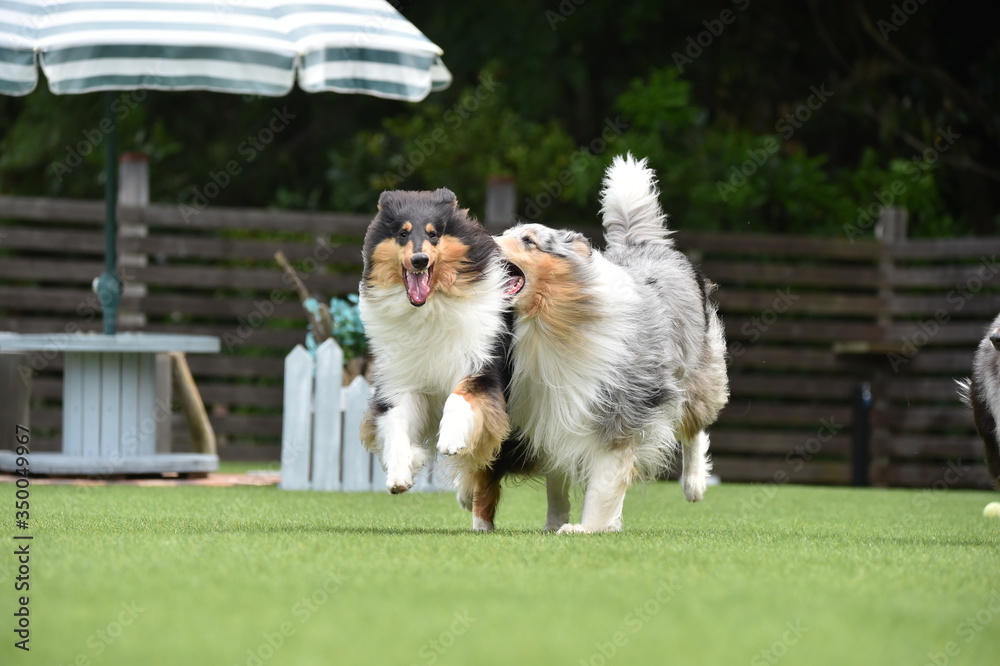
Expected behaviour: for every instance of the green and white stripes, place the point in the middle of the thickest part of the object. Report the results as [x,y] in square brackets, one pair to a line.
[235,46]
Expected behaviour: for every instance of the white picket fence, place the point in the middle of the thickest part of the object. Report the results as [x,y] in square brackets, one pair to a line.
[320,431]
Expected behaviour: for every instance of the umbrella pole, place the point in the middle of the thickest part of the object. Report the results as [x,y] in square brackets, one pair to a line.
[109,285]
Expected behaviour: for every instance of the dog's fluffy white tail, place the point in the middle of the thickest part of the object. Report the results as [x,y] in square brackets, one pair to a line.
[630,205]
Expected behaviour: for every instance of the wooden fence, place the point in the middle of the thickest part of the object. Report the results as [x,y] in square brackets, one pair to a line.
[809,321]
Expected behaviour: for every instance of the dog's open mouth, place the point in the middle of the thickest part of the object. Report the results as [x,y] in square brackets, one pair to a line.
[418,285]
[513,282]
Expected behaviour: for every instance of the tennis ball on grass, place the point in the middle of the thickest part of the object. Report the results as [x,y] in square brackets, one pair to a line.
[992,510]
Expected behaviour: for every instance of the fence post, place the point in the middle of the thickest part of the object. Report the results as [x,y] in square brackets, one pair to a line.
[296,422]
[357,465]
[326,417]
[861,436]
[501,203]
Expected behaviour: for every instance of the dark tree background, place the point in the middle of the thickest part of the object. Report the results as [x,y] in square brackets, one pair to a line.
[760,115]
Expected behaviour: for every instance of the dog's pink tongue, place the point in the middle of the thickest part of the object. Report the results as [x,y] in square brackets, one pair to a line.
[418,287]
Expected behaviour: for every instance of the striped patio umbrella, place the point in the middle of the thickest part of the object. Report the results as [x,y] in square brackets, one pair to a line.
[257,47]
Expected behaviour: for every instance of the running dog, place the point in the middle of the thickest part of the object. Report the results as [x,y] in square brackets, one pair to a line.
[617,356]
[431,300]
[981,393]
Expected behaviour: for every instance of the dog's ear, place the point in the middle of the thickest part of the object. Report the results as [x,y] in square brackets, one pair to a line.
[386,198]
[576,242]
[443,195]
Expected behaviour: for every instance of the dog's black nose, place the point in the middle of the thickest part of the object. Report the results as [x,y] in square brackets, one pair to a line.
[419,261]
[995,339]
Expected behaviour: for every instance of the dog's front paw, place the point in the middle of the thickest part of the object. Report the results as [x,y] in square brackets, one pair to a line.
[481,525]
[694,487]
[554,525]
[571,528]
[457,424]
[399,482]
[464,500]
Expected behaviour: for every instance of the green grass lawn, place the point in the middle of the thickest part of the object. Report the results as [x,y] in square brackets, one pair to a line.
[752,575]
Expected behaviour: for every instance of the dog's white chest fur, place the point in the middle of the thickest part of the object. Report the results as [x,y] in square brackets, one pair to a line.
[430,349]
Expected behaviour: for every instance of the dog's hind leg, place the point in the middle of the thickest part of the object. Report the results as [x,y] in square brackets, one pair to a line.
[557,490]
[610,476]
[697,465]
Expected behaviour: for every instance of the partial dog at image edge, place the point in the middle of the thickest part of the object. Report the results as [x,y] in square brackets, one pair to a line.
[981,393]
[618,357]
[431,300]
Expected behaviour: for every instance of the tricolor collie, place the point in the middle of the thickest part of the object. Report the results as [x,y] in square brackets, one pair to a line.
[618,357]
[982,393]
[431,300]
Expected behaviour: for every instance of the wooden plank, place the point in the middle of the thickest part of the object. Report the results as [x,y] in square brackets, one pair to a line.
[802,303]
[147,408]
[51,271]
[960,303]
[48,209]
[54,240]
[920,389]
[925,418]
[356,461]
[921,447]
[934,477]
[57,463]
[81,302]
[792,445]
[734,272]
[296,431]
[129,415]
[111,403]
[788,245]
[799,387]
[91,405]
[326,433]
[948,249]
[978,275]
[741,411]
[224,249]
[775,471]
[182,217]
[72,429]
[214,277]
[773,327]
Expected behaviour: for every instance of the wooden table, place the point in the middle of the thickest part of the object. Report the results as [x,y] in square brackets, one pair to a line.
[110,410]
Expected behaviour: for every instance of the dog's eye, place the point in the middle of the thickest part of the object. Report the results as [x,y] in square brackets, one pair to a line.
[528,241]
[403,234]
[432,234]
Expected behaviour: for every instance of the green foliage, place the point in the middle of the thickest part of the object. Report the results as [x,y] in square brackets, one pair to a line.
[348,330]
